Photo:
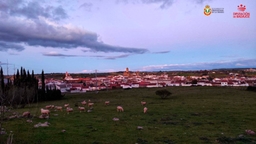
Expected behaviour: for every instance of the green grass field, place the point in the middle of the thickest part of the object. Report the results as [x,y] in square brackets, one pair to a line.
[189,115]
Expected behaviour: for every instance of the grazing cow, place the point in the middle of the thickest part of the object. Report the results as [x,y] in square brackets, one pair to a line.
[119,109]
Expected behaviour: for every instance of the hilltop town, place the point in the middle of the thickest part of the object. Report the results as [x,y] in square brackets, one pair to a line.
[76,83]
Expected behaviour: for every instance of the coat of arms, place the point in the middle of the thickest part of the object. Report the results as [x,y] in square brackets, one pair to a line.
[207,10]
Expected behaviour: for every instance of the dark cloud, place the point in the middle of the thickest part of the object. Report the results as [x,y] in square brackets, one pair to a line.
[6,46]
[59,13]
[108,57]
[86,6]
[97,56]
[31,10]
[55,54]
[40,33]
[11,53]
[161,52]
[59,55]
[115,57]
[163,3]
[32,23]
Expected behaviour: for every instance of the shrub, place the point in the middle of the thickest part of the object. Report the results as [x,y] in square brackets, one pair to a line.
[163,93]
[251,88]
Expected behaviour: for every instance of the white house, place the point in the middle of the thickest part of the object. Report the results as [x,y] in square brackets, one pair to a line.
[224,83]
[61,87]
[204,83]
[135,85]
[152,85]
[183,84]
[125,86]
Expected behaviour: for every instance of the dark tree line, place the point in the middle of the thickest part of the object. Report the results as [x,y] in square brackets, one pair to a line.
[24,90]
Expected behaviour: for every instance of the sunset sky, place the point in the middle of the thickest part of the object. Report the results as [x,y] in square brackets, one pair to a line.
[81,36]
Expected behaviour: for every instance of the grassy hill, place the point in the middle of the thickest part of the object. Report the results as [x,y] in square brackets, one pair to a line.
[189,115]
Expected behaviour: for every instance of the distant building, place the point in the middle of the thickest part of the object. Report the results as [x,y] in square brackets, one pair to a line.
[127,73]
[68,77]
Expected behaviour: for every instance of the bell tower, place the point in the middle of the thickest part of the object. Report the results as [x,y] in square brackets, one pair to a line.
[126,73]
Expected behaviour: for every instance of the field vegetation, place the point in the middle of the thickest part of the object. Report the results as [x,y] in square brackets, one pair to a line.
[189,115]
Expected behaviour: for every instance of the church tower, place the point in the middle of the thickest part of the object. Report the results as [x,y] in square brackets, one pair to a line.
[126,73]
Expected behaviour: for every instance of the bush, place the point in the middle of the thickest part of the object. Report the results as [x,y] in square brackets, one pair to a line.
[163,93]
[251,88]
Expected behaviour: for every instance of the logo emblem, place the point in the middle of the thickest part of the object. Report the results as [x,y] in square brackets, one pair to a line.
[207,10]
[241,12]
[241,7]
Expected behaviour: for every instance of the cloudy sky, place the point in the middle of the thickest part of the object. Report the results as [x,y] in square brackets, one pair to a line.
[110,35]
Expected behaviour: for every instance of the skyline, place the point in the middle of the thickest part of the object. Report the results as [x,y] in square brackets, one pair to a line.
[107,36]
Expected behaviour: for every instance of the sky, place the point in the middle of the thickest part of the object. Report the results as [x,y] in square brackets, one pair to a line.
[81,36]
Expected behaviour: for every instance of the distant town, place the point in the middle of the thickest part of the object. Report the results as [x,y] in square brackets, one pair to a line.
[129,80]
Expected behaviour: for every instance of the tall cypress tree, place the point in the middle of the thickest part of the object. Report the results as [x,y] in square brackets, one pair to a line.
[29,76]
[43,83]
[21,72]
[17,79]
[32,75]
[2,80]
[18,74]
[24,73]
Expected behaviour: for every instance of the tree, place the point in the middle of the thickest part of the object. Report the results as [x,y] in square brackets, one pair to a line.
[21,72]
[2,97]
[163,93]
[18,74]
[43,83]
[32,74]
[2,79]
